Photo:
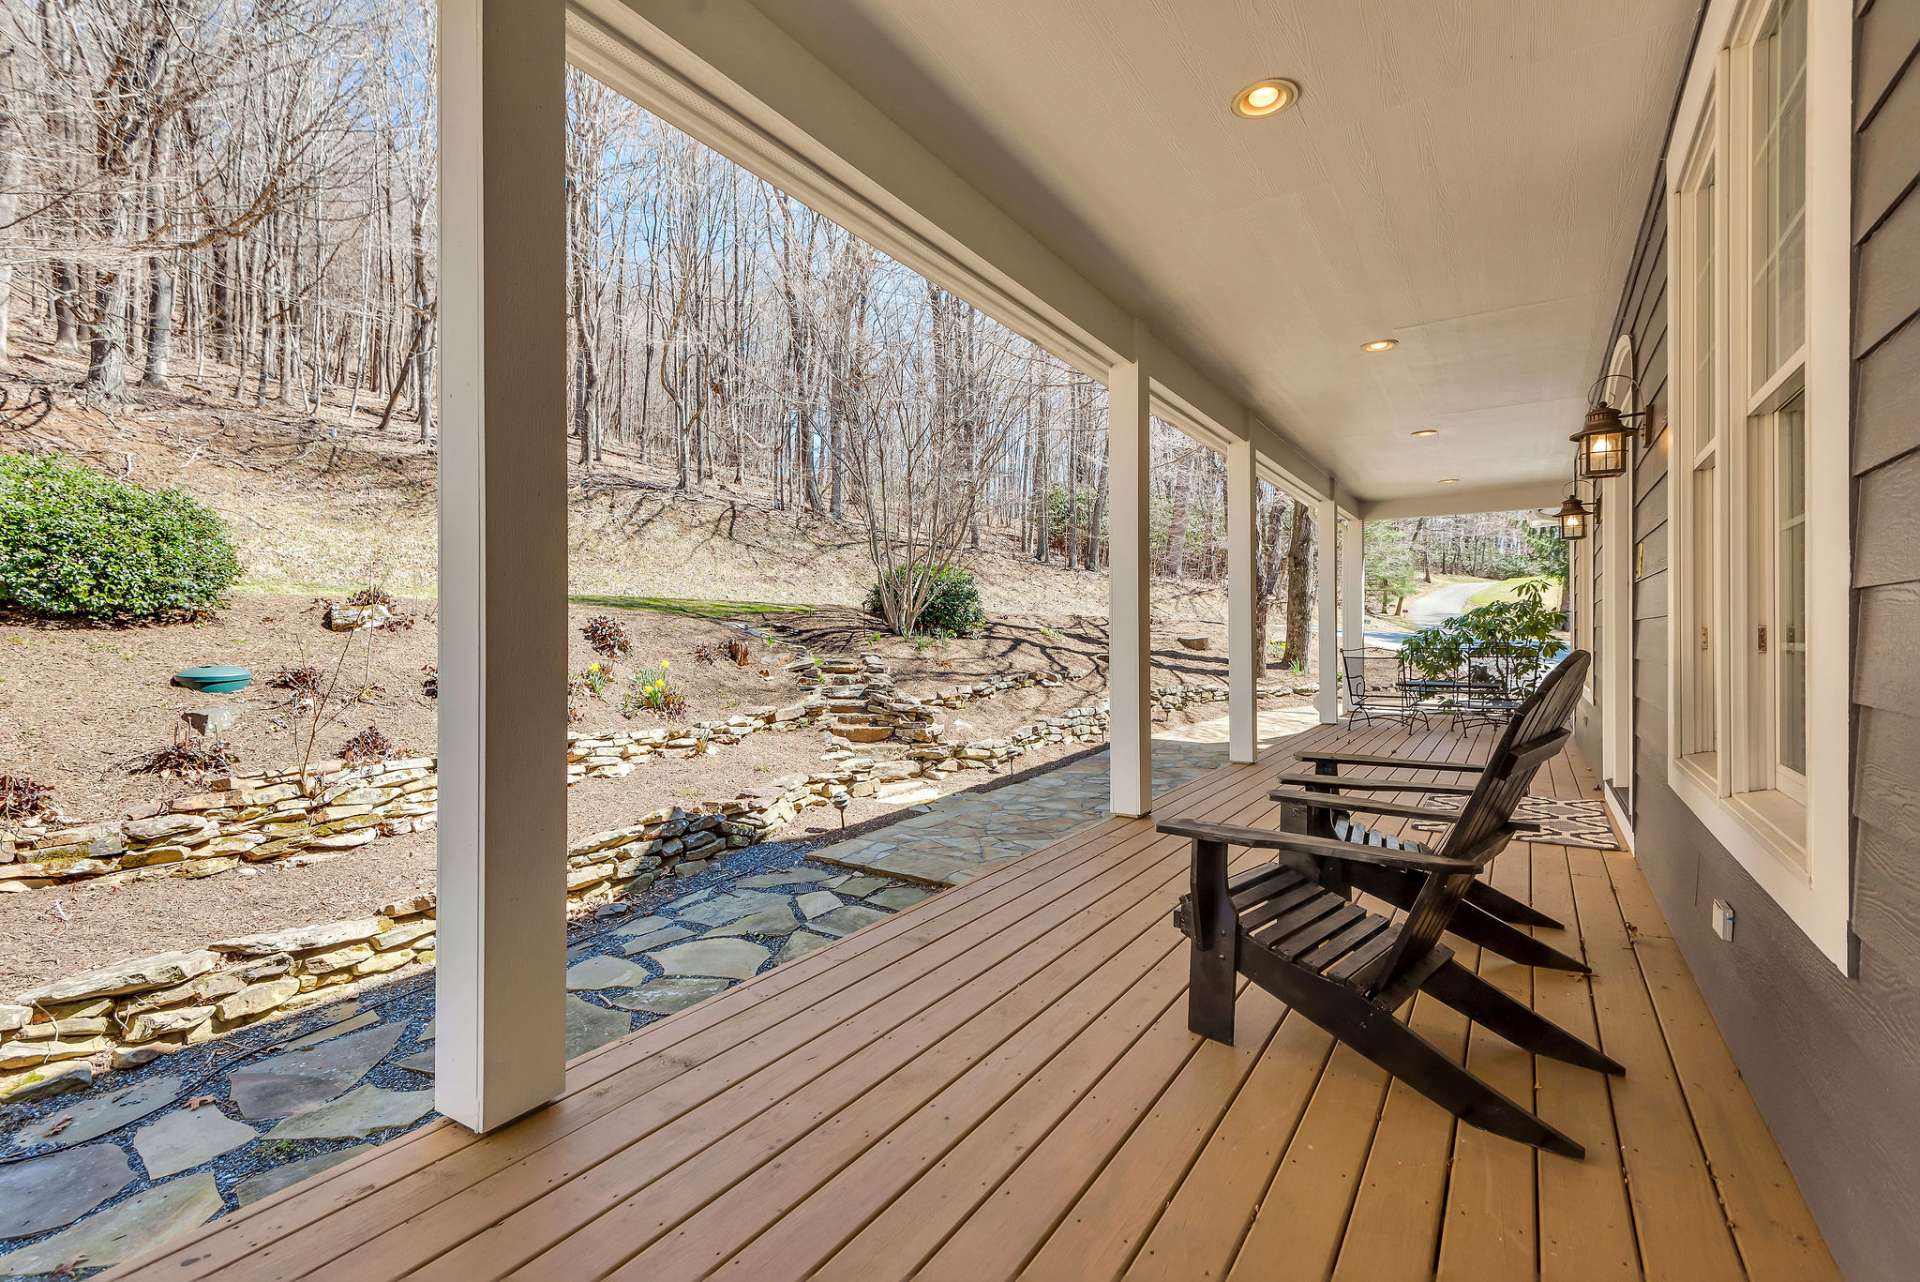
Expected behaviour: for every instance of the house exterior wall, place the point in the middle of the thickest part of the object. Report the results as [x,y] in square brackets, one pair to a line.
[1833,1060]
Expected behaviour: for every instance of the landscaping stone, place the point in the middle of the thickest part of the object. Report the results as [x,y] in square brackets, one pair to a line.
[724,958]
[257,999]
[269,1182]
[589,1026]
[603,972]
[146,1220]
[159,1023]
[300,1081]
[51,1079]
[186,1137]
[860,887]
[642,925]
[799,944]
[656,939]
[816,903]
[351,1022]
[418,1062]
[47,1192]
[777,920]
[12,1017]
[665,996]
[356,1115]
[91,1118]
[722,909]
[158,971]
[800,877]
[36,1054]
[846,919]
[301,939]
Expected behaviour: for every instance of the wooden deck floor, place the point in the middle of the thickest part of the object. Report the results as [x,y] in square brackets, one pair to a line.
[1000,1083]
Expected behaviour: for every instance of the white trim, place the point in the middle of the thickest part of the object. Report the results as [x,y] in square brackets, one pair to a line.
[1618,510]
[1811,881]
[1129,591]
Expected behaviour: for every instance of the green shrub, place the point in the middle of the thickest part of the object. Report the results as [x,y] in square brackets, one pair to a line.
[952,607]
[76,543]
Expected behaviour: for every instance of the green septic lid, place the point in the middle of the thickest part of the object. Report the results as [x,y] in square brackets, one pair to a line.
[214,678]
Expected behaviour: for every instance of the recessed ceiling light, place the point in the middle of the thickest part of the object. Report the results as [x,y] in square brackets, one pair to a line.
[1424,432]
[1449,480]
[1380,345]
[1265,98]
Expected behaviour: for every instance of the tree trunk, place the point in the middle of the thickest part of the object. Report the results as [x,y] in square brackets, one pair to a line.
[1299,587]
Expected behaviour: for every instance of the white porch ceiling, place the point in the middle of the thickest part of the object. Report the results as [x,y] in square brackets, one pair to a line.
[1464,175]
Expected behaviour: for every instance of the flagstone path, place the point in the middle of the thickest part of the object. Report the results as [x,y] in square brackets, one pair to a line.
[87,1180]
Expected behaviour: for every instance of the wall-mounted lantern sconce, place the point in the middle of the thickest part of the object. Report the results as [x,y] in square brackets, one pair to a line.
[1573,518]
[1604,447]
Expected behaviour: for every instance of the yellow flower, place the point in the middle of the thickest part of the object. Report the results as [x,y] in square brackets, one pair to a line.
[665,664]
[593,667]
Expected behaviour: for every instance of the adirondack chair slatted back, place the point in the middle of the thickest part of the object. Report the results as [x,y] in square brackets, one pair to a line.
[1531,737]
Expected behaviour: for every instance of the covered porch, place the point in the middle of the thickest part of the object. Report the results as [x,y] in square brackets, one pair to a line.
[1000,1082]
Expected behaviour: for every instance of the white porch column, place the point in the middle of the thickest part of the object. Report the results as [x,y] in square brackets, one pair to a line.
[1353,586]
[1129,606]
[1245,665]
[1326,517]
[503,561]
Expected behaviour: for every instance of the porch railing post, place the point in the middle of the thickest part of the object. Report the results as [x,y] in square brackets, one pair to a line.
[1245,665]
[500,1049]
[1129,605]
[1326,517]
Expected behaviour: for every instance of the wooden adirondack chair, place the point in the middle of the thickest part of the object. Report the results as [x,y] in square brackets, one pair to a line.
[1320,808]
[1348,969]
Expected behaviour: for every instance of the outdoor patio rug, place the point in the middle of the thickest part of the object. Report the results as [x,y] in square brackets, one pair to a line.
[1562,822]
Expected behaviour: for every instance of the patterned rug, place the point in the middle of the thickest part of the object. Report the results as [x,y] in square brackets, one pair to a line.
[1562,823]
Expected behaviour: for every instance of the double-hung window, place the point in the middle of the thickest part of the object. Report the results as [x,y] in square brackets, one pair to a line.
[1759,368]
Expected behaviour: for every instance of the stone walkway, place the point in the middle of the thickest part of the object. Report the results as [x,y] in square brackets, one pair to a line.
[969,833]
[90,1179]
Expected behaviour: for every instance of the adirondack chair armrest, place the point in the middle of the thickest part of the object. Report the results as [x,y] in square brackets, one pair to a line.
[1376,785]
[1371,759]
[1320,847]
[1328,801]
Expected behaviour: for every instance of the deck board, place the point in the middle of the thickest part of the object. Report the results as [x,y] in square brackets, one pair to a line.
[999,1083]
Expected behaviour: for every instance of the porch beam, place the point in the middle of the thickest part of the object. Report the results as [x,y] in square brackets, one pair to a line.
[1245,664]
[1129,601]
[503,561]
[1326,517]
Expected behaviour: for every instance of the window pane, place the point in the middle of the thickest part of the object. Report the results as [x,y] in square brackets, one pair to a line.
[1705,392]
[1701,704]
[1791,585]
[1777,305]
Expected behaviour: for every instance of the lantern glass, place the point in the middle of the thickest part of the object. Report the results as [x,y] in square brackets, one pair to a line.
[1601,446]
[1573,519]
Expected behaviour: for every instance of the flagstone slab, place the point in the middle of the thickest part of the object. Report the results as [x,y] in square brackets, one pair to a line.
[350,1024]
[269,1182]
[768,880]
[418,1062]
[427,1034]
[590,1025]
[146,1220]
[642,925]
[860,887]
[817,903]
[604,971]
[299,1081]
[356,1115]
[97,1114]
[46,1192]
[722,909]
[897,897]
[847,919]
[656,939]
[723,958]
[665,996]
[187,1137]
[777,920]
[799,945]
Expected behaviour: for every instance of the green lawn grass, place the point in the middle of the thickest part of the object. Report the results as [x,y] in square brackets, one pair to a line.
[1509,590]
[688,607]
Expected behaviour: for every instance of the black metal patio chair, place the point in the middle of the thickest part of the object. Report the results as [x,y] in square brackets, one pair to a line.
[1367,702]
[1347,969]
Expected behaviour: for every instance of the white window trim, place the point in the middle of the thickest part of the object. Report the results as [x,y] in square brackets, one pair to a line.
[1811,884]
